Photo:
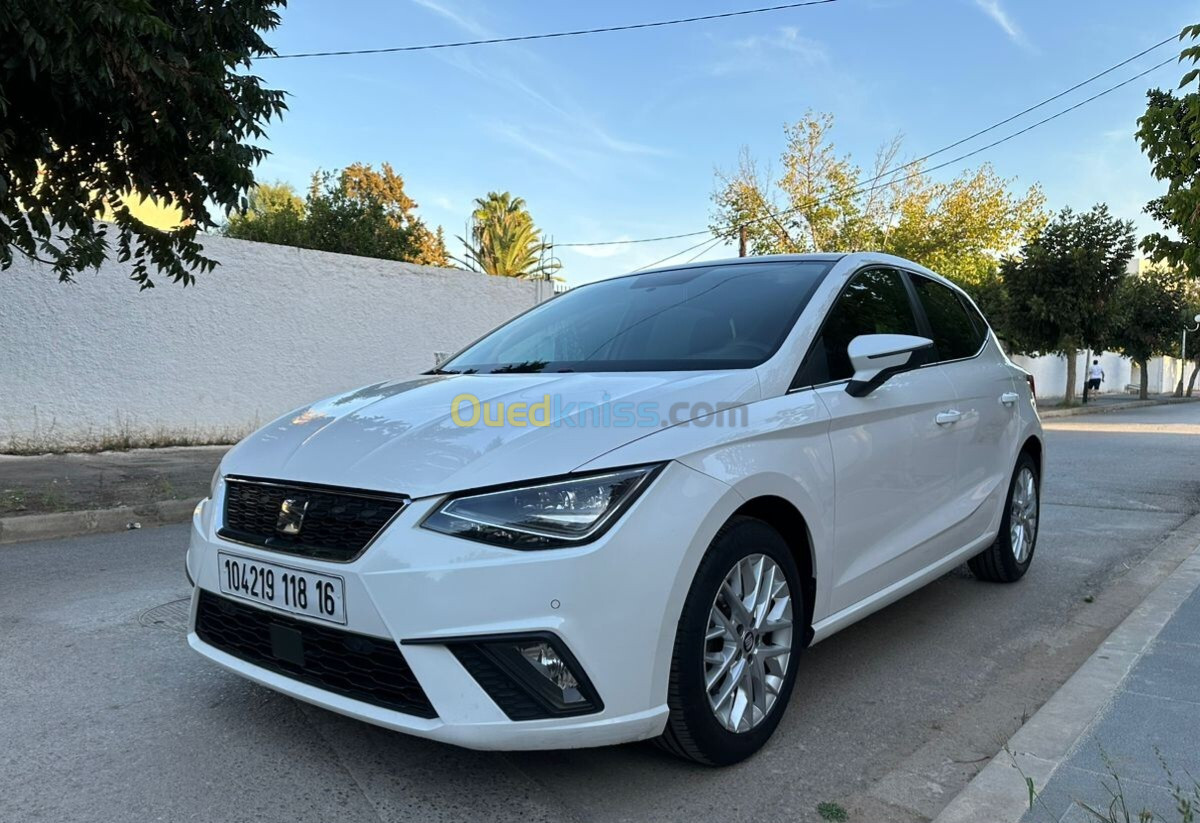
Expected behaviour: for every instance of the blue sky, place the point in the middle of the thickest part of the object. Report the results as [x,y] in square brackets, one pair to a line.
[617,136]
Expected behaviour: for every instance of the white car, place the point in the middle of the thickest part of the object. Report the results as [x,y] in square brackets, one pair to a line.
[626,513]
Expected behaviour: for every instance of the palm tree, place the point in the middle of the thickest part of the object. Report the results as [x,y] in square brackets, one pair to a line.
[504,240]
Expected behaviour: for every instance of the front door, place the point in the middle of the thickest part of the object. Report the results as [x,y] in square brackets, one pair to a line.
[894,464]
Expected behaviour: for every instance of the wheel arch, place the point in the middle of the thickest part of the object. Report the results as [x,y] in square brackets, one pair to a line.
[786,519]
[1033,447]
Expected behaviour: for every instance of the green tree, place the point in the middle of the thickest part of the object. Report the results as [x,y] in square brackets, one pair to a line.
[958,228]
[102,100]
[505,241]
[1147,317]
[357,211]
[1169,134]
[274,214]
[1060,290]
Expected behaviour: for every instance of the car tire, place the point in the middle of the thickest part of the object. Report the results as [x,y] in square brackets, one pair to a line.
[696,729]
[1008,558]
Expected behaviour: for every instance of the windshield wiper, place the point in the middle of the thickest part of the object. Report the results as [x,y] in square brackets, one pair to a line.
[528,367]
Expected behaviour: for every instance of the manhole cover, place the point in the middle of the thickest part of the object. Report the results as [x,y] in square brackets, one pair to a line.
[173,615]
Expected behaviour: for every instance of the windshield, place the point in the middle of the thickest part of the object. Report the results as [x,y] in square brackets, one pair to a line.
[710,317]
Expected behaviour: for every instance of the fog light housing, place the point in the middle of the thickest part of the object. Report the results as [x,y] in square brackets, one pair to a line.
[547,662]
[529,676]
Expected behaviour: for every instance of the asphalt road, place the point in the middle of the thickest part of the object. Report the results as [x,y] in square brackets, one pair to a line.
[106,715]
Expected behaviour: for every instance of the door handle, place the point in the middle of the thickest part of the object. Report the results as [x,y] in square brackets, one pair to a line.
[946,417]
[1009,397]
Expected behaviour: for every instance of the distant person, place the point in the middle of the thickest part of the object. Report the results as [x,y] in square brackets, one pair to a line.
[1095,378]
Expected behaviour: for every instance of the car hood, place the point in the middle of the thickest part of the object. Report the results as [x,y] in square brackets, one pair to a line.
[401,437]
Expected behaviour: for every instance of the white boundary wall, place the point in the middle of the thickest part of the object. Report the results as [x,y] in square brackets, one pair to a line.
[272,328]
[1050,373]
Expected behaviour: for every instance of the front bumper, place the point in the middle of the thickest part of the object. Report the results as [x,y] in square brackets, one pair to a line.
[613,603]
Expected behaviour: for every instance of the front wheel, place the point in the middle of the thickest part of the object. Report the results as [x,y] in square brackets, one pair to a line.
[736,648]
[1007,560]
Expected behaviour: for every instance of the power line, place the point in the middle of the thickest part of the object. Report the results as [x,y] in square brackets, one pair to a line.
[864,186]
[549,35]
[872,184]
[942,150]
[704,251]
[703,242]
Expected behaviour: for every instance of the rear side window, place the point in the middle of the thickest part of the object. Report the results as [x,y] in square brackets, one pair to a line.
[981,325]
[954,334]
[874,302]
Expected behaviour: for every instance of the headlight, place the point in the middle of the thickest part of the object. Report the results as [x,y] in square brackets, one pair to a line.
[548,515]
[212,484]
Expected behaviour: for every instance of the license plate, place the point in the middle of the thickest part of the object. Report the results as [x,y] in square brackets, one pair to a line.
[284,587]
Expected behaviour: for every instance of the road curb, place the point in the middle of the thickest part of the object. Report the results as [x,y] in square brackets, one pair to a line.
[1113,407]
[97,521]
[999,793]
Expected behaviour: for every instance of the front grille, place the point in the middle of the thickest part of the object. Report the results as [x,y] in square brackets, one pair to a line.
[333,524]
[358,666]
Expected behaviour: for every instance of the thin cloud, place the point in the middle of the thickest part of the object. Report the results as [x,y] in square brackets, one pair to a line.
[454,17]
[994,10]
[520,138]
[760,51]
[580,123]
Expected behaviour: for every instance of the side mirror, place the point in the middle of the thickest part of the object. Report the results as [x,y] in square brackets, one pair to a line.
[877,357]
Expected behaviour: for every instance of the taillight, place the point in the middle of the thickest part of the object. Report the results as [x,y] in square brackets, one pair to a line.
[1032,386]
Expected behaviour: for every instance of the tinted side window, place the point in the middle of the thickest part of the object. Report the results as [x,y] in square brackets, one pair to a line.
[875,302]
[953,332]
[981,325]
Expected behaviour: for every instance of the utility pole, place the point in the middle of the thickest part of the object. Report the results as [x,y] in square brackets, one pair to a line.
[742,240]
[1183,358]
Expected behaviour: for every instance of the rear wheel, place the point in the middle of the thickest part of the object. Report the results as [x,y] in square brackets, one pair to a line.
[1007,560]
[736,648]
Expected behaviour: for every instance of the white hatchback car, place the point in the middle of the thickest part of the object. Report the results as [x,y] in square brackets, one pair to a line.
[624,514]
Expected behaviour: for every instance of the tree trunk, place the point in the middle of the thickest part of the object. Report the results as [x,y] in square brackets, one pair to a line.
[1144,388]
[1069,394]
[1192,379]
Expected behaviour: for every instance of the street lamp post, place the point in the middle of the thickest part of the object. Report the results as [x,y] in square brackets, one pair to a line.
[1183,359]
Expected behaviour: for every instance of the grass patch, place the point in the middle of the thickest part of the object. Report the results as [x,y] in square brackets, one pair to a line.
[1186,795]
[38,500]
[832,811]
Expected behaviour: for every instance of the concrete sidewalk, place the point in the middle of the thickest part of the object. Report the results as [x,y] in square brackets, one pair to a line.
[1107,402]
[1116,734]
[1154,712]
[60,495]
[49,483]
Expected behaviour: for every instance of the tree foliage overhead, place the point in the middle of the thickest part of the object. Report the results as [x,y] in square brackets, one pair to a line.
[504,240]
[103,100]
[1169,134]
[958,228]
[357,211]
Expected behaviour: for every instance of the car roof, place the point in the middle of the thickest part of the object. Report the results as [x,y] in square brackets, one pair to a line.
[737,261]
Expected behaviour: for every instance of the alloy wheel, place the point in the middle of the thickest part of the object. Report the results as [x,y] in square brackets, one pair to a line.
[1023,514]
[748,643]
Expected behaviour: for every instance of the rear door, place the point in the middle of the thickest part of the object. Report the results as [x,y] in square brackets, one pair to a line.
[986,401]
[894,465]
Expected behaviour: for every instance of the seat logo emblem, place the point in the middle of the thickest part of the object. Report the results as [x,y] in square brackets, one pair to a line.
[291,516]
